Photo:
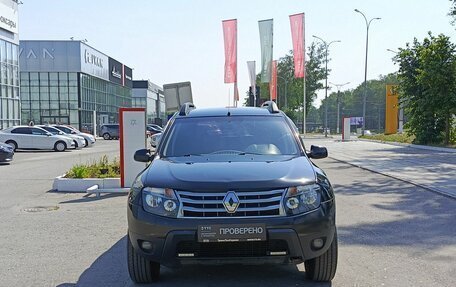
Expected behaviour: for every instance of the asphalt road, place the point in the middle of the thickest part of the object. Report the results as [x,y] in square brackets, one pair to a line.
[390,233]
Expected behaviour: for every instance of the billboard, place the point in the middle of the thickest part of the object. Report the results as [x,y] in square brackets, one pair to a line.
[176,95]
[9,16]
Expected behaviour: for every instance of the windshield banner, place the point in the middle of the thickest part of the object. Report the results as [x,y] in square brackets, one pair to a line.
[230,38]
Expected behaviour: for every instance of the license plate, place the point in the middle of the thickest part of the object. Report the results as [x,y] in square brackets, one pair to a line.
[231,233]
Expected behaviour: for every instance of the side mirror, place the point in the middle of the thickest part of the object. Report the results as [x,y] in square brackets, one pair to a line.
[142,155]
[48,134]
[73,132]
[317,152]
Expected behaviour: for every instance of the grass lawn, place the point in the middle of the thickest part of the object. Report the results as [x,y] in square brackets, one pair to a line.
[400,138]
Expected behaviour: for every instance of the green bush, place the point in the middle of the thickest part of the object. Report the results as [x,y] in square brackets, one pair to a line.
[103,168]
[400,138]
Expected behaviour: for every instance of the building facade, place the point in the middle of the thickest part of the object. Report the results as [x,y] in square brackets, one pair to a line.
[70,82]
[9,64]
[146,94]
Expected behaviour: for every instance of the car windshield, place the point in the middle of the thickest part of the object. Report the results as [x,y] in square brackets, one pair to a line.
[239,135]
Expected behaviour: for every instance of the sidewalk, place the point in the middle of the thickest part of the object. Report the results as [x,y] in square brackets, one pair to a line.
[433,170]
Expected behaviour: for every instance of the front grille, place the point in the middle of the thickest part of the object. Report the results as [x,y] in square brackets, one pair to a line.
[251,204]
[232,249]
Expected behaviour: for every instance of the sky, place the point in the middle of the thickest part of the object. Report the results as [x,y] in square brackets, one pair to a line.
[175,40]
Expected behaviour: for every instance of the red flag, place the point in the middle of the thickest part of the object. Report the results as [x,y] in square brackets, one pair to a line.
[297,36]
[273,83]
[230,39]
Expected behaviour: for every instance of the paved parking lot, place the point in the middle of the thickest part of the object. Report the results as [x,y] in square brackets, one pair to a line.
[391,233]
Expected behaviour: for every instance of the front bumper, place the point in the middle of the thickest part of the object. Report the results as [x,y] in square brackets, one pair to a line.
[172,240]
[6,156]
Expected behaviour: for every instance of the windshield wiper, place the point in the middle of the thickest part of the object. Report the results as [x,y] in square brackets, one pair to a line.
[253,153]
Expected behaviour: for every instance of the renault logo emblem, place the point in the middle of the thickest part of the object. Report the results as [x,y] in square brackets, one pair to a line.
[231,202]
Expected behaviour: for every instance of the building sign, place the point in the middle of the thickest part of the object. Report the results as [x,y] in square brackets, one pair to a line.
[94,63]
[119,73]
[9,16]
[391,112]
[49,56]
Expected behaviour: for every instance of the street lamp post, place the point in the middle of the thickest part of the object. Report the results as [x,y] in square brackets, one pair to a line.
[365,66]
[286,89]
[338,86]
[326,79]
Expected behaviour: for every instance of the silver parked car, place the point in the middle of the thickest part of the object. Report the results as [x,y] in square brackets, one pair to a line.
[31,137]
[89,139]
[79,141]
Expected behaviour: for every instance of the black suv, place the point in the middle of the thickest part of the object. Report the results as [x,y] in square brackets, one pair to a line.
[231,185]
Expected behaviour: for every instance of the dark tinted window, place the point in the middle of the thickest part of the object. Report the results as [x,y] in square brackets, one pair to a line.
[51,130]
[24,131]
[64,129]
[36,131]
[265,135]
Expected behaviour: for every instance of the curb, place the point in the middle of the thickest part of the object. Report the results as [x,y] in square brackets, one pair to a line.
[426,187]
[423,147]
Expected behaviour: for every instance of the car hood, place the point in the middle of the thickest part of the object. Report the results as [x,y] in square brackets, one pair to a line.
[262,172]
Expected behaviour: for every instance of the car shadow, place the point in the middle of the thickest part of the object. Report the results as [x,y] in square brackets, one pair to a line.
[422,219]
[110,269]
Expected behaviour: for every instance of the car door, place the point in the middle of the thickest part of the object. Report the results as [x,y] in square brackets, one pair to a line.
[41,139]
[22,136]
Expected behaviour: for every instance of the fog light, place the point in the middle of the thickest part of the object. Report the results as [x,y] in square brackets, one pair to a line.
[146,245]
[292,203]
[318,243]
[170,205]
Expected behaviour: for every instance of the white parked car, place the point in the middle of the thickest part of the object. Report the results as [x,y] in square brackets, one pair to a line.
[31,137]
[89,139]
[79,141]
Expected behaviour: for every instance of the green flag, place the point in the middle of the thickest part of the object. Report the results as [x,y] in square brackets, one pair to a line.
[266,37]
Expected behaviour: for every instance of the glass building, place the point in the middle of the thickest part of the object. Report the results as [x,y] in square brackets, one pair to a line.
[9,65]
[146,94]
[69,82]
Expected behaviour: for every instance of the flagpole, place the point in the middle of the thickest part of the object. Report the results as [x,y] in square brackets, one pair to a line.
[304,88]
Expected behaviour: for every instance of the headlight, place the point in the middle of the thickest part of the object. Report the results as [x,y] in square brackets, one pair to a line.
[160,201]
[300,199]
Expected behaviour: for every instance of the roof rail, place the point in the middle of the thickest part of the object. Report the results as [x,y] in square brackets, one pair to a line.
[271,106]
[186,108]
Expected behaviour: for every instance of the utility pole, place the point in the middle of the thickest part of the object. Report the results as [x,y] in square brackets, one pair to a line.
[365,66]
[326,44]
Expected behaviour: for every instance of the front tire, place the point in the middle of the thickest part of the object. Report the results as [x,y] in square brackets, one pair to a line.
[106,136]
[141,270]
[60,146]
[13,144]
[323,268]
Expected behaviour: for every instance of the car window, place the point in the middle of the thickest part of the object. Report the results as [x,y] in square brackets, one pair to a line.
[64,129]
[51,130]
[36,131]
[24,131]
[264,135]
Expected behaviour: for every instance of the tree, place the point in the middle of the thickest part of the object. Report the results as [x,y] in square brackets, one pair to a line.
[285,70]
[427,77]
[351,103]
[452,12]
